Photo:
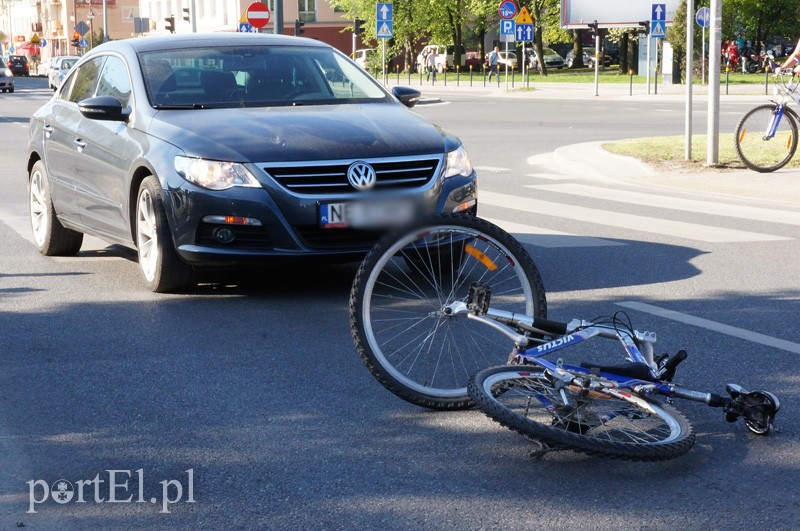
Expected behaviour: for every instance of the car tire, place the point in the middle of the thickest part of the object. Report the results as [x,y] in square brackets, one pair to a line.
[49,235]
[162,268]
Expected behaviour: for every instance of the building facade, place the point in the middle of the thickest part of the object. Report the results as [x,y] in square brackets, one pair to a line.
[53,23]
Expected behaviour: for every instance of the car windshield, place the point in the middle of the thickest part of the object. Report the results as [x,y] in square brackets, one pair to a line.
[254,76]
[548,51]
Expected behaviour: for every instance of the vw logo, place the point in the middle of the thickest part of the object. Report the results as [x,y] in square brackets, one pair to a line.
[361,176]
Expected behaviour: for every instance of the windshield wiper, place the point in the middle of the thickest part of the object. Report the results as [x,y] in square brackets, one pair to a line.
[165,106]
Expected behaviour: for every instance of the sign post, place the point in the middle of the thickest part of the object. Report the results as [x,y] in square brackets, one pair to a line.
[523,32]
[385,26]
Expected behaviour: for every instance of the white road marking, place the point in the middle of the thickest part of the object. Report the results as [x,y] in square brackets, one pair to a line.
[542,237]
[492,169]
[677,229]
[741,333]
[673,203]
[550,176]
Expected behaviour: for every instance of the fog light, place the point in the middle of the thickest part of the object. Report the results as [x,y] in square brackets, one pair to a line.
[466,205]
[223,235]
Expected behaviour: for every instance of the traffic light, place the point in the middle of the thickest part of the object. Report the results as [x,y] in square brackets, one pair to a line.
[170,25]
[593,28]
[298,28]
[186,14]
[76,39]
[645,27]
[358,26]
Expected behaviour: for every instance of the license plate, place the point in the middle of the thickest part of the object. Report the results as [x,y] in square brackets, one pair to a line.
[365,214]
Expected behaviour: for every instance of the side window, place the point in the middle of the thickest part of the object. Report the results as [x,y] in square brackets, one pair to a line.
[86,80]
[114,81]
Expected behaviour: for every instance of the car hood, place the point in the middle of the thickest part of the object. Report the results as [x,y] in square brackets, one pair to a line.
[314,132]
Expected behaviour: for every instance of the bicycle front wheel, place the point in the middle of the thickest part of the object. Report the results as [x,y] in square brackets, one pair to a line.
[766,140]
[399,306]
[525,400]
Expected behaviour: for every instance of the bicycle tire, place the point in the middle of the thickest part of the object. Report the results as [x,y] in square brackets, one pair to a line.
[423,355]
[763,154]
[524,400]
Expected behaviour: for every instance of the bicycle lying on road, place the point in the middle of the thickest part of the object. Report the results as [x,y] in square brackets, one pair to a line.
[433,308]
[766,137]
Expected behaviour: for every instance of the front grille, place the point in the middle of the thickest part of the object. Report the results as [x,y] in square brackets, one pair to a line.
[317,237]
[324,179]
[247,237]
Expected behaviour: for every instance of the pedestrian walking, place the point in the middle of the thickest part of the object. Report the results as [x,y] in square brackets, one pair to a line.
[494,57]
[430,64]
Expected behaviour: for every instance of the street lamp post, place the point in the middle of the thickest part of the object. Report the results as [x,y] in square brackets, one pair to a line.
[90,16]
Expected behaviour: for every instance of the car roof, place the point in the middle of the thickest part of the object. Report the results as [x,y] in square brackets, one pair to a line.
[191,40]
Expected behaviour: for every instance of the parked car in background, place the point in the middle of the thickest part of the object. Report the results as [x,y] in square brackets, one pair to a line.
[473,62]
[444,57]
[507,59]
[43,68]
[19,66]
[588,58]
[6,80]
[228,149]
[362,57]
[59,68]
[551,58]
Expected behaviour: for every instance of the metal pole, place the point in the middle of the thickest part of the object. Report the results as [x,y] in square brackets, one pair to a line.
[649,40]
[689,68]
[596,60]
[703,72]
[714,37]
[277,27]
[193,15]
[105,21]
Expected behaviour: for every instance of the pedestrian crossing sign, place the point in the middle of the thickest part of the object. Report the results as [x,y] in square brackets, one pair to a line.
[658,29]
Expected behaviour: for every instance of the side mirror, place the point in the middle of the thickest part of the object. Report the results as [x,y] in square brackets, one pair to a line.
[407,95]
[106,108]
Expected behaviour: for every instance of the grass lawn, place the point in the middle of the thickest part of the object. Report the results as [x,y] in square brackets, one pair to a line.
[669,152]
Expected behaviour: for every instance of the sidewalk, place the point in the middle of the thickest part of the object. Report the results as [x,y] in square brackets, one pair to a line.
[781,187]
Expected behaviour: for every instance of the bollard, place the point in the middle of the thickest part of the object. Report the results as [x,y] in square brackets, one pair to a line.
[397,70]
[470,75]
[409,75]
[420,77]
[727,75]
[458,76]
[484,77]
[630,87]
[444,74]
[766,81]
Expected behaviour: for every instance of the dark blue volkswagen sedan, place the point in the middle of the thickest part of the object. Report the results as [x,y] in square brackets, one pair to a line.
[212,150]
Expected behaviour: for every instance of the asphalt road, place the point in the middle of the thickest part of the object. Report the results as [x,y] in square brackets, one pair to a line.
[251,382]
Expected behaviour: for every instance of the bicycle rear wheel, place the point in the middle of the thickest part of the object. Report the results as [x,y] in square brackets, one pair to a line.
[766,141]
[525,400]
[399,315]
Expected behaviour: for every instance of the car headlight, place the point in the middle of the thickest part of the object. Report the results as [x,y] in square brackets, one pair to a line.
[458,163]
[214,175]
[8,73]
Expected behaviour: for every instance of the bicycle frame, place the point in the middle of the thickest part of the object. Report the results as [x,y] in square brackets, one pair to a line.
[579,331]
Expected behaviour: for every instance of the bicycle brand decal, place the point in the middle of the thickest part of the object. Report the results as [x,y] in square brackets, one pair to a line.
[561,342]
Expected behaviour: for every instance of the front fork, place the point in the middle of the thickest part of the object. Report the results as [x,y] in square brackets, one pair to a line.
[774,121]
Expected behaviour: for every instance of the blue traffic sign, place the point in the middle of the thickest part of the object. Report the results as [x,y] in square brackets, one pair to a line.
[524,32]
[659,12]
[83,43]
[507,9]
[703,17]
[244,27]
[658,29]
[385,29]
[43,43]
[384,11]
[506,27]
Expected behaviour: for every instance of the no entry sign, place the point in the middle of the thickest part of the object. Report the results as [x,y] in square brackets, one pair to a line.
[257,14]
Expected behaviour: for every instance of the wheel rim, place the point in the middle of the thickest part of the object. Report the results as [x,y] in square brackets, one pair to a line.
[38,206]
[147,235]
[759,151]
[404,316]
[594,416]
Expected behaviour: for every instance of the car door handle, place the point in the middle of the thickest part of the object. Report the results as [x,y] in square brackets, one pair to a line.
[48,130]
[79,144]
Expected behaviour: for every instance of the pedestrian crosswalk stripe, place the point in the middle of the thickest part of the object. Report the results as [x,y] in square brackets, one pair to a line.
[674,203]
[542,237]
[632,222]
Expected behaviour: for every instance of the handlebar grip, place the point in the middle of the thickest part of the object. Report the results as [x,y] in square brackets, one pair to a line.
[554,327]
[673,361]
